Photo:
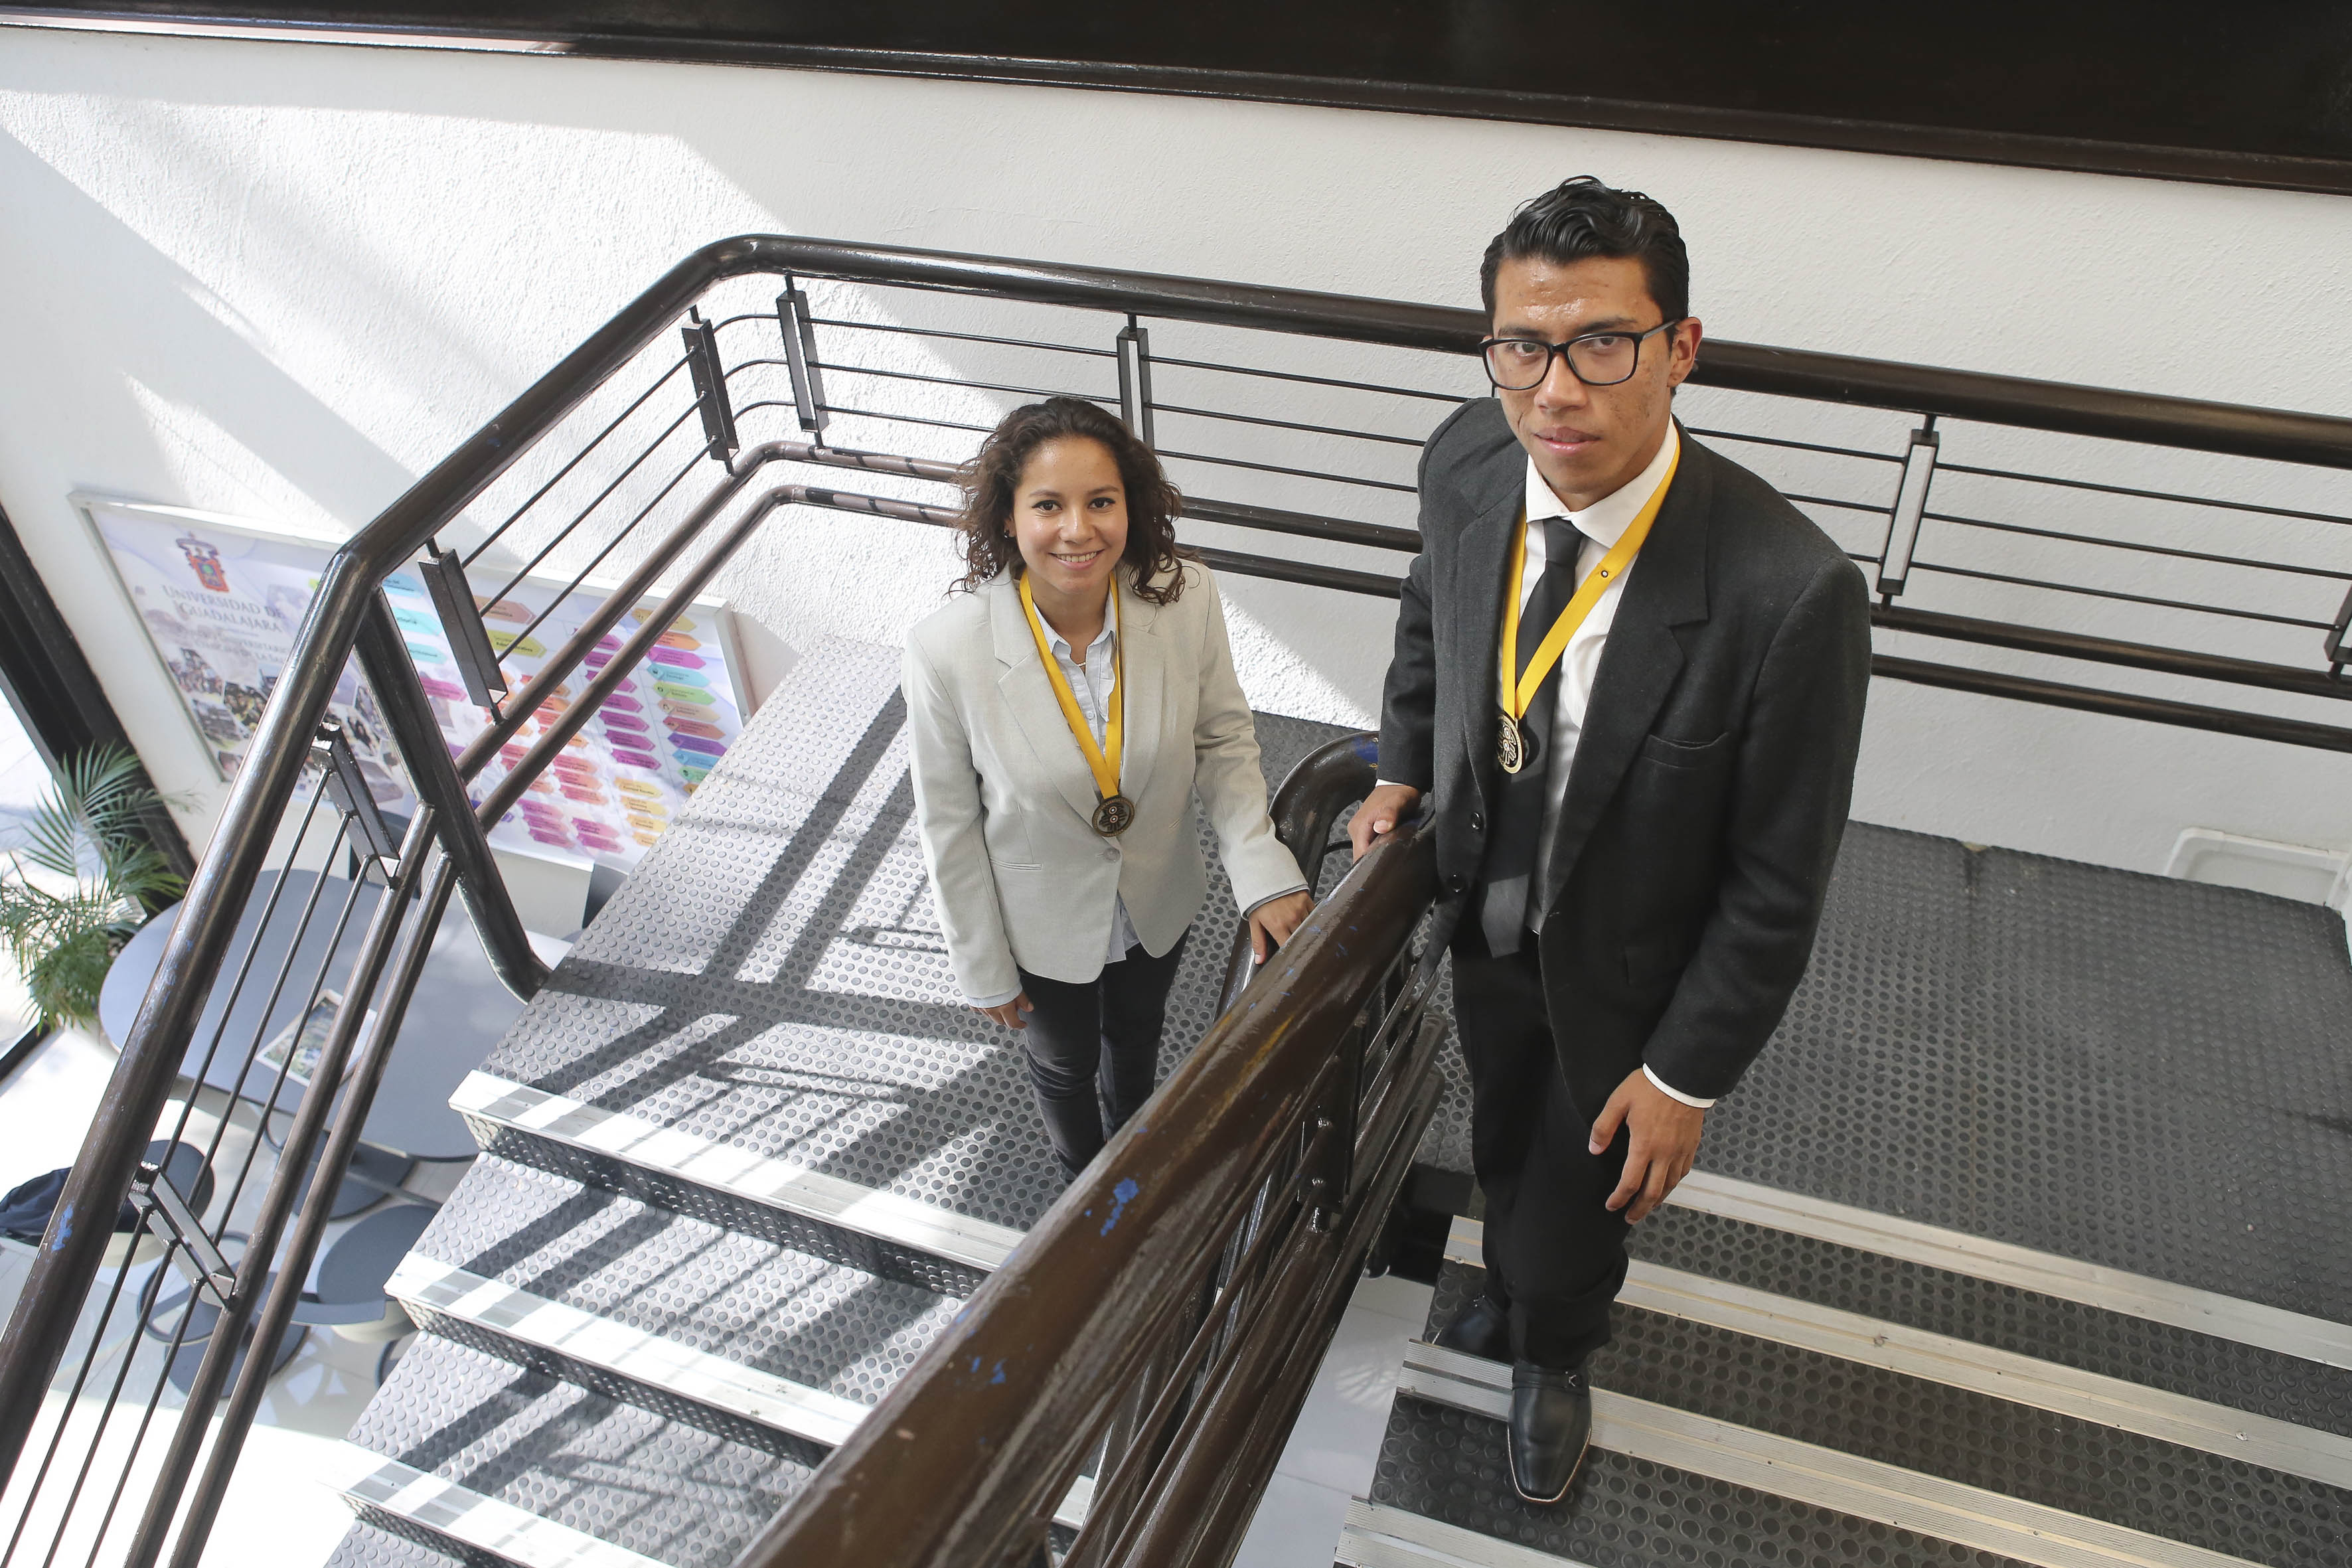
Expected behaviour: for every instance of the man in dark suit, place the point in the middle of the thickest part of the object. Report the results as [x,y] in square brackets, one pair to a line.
[1636,819]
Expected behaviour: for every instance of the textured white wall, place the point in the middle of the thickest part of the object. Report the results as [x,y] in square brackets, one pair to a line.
[281,280]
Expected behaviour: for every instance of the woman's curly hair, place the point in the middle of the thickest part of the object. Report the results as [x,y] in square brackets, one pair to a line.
[992,478]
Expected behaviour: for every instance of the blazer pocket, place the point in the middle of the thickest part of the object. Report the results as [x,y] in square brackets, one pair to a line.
[1007,837]
[1686,753]
[1650,964]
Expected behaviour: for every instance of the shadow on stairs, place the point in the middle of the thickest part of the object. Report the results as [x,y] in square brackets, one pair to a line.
[2026,1241]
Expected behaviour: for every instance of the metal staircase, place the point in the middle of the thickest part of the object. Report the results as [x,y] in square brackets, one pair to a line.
[2025,1242]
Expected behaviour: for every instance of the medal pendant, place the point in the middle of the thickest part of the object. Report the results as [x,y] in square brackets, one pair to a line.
[1510,746]
[1114,816]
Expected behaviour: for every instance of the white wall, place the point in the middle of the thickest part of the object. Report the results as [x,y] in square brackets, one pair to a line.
[281,280]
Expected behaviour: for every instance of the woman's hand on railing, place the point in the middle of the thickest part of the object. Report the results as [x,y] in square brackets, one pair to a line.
[1387,806]
[1272,922]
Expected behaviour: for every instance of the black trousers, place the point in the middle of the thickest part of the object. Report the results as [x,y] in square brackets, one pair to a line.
[1093,1049]
[1555,1256]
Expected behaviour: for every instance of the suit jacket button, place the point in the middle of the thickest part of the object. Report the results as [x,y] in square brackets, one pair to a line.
[1477,823]
[1457,883]
[1110,854]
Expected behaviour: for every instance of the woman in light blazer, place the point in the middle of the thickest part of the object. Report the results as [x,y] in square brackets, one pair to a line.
[1064,707]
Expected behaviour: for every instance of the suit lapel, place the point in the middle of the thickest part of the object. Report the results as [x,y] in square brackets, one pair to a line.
[1020,678]
[1144,668]
[1666,589]
[1482,561]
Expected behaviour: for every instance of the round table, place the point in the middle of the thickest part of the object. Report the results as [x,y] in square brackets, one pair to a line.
[458,1011]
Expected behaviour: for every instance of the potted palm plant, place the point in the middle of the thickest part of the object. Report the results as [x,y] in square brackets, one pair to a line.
[81,881]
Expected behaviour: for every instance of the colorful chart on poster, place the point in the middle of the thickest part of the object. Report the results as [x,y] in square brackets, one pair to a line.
[617,784]
[222,602]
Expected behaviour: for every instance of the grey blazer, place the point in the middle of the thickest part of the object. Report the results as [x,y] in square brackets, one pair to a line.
[1004,799]
[1711,781]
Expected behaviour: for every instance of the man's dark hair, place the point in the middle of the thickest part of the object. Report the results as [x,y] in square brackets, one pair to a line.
[1582,217]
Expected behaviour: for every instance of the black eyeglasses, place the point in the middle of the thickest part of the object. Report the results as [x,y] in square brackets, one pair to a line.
[1596,359]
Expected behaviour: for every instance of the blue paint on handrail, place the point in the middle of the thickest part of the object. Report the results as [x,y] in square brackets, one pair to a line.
[1124,1193]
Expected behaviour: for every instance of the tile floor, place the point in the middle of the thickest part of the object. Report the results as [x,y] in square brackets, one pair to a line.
[272,1517]
[1333,1448]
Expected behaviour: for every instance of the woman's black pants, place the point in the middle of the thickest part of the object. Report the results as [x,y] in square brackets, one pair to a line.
[1093,1049]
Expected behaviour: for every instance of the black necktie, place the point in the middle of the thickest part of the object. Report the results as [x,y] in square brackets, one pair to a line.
[1510,862]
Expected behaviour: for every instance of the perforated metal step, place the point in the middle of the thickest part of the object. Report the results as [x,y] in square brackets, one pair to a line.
[1451,1466]
[371,1545]
[2206,1366]
[2133,1070]
[524,1447]
[723,1330]
[772,981]
[2075,1466]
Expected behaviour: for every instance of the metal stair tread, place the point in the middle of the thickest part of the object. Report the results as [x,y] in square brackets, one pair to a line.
[543,1449]
[2091,1339]
[1447,1464]
[417,1500]
[2162,1300]
[598,1275]
[1374,1535]
[438,1296]
[736,1172]
[1822,1477]
[2234,1428]
[2216,1500]
[2014,1045]
[369,1545]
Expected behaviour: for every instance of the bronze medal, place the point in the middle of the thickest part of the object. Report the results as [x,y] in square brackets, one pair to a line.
[1510,746]
[1114,814]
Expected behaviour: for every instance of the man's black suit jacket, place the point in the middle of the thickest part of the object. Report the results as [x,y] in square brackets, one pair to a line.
[1711,780]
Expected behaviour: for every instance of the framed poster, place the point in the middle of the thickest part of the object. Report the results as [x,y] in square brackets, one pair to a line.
[221,600]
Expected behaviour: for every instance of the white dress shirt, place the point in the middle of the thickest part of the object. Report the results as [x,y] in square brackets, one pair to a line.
[1603,524]
[1091,683]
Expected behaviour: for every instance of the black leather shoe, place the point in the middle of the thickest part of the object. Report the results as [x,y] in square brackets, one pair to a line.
[1482,1329]
[1551,1423]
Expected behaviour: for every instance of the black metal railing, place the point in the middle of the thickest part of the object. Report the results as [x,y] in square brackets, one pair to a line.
[2166,559]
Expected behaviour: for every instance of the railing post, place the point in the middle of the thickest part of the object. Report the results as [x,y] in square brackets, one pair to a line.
[348,788]
[709,373]
[2337,656]
[1135,380]
[801,361]
[1910,506]
[1327,1176]
[461,621]
[383,660]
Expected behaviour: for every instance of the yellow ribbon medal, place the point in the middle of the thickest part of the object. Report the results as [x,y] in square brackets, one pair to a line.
[1114,812]
[1520,691]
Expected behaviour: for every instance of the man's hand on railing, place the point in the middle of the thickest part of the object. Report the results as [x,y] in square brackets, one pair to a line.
[1387,806]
